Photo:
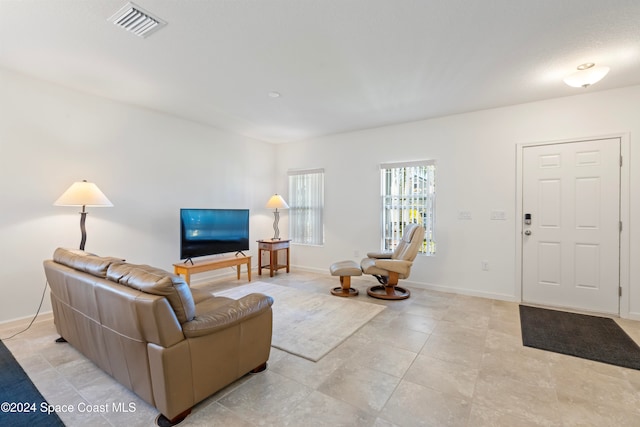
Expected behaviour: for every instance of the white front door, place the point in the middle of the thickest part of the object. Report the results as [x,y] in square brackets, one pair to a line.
[571,248]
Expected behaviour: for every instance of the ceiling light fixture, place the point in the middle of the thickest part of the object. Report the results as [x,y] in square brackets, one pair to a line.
[274,94]
[136,20]
[586,75]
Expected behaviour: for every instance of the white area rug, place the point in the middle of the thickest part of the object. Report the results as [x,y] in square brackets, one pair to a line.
[309,324]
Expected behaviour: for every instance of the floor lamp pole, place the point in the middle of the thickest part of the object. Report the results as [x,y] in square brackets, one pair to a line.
[83,230]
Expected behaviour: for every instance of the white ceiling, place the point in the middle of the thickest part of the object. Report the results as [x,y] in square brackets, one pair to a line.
[340,65]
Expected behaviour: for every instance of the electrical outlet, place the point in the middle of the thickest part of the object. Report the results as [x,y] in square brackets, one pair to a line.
[356,253]
[484,264]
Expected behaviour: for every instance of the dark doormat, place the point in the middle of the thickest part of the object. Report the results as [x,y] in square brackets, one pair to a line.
[589,337]
[22,403]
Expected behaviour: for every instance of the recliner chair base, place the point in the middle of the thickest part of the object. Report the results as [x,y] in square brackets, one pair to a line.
[389,292]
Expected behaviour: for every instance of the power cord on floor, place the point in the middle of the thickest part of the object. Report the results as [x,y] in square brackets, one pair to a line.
[34,317]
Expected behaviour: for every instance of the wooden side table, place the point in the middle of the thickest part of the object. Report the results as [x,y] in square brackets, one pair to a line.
[273,246]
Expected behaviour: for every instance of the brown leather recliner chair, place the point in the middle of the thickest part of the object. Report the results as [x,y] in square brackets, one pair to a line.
[389,267]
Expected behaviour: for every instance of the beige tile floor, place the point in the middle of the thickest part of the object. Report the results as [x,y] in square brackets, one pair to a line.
[436,359]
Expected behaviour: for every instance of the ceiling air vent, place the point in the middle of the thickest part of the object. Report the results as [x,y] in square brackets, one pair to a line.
[136,20]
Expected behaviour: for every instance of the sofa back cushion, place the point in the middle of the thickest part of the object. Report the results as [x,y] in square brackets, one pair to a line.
[157,282]
[85,261]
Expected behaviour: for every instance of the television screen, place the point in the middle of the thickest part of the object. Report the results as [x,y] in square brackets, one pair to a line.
[213,231]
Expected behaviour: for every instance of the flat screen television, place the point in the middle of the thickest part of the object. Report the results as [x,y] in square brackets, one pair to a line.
[213,231]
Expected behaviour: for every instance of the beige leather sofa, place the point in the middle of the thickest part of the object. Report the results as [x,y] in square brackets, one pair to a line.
[171,345]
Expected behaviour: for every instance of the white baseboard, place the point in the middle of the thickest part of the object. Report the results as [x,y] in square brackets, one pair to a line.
[311,269]
[429,286]
[23,321]
[632,316]
[462,291]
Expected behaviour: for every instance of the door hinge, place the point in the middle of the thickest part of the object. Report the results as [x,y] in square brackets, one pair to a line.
[620,161]
[620,227]
[619,291]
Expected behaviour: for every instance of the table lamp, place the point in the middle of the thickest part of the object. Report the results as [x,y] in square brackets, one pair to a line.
[276,202]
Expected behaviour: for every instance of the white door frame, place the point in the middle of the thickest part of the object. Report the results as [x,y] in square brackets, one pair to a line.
[624,215]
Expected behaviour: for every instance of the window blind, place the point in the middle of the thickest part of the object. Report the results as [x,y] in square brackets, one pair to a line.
[306,206]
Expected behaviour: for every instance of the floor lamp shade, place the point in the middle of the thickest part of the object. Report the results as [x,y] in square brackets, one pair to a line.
[83,194]
[276,202]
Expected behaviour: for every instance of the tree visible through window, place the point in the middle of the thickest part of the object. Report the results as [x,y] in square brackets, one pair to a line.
[306,206]
[408,196]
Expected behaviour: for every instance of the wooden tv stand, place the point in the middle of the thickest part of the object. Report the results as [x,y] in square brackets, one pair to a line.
[188,269]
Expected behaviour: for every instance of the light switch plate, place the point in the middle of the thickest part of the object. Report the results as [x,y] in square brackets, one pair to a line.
[464,215]
[498,215]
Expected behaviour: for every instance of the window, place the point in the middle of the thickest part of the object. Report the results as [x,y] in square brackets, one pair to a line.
[408,196]
[306,206]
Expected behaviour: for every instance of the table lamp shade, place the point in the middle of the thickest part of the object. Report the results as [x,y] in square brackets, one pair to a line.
[277,202]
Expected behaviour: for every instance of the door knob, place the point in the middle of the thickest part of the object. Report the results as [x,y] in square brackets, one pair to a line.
[527,232]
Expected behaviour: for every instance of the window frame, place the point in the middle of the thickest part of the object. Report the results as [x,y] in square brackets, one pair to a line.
[390,239]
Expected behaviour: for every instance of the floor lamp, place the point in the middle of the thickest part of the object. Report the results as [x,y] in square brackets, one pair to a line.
[83,194]
[276,202]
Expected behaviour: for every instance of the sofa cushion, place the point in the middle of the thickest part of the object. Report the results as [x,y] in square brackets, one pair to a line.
[157,282]
[85,261]
[200,295]
[222,313]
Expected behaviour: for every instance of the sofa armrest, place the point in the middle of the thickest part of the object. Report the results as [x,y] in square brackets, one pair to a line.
[380,255]
[396,265]
[228,315]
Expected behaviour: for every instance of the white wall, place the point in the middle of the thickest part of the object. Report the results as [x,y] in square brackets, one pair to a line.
[476,156]
[148,164]
[151,164]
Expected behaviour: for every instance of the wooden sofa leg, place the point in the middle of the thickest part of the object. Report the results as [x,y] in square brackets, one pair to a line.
[259,368]
[163,421]
[61,340]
